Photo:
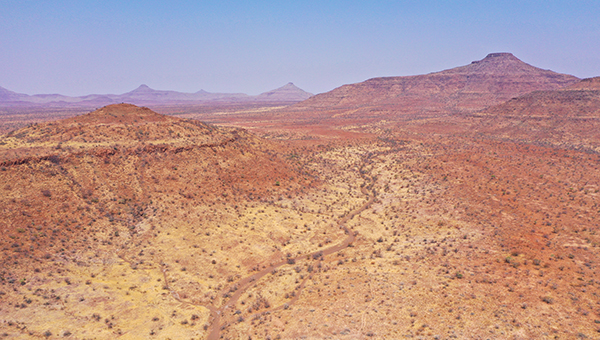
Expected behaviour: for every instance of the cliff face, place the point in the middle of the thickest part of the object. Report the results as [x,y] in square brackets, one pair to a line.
[492,80]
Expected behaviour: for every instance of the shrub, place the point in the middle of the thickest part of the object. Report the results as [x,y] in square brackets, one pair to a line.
[548,299]
[55,158]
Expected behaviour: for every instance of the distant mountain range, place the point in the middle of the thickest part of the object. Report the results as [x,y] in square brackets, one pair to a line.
[144,95]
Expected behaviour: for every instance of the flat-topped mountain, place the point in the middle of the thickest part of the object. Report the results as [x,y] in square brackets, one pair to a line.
[492,80]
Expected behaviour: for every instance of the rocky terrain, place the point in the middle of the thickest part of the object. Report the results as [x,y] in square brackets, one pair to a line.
[470,224]
[79,197]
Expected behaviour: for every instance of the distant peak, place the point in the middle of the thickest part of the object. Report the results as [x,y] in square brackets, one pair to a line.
[289,85]
[288,92]
[143,87]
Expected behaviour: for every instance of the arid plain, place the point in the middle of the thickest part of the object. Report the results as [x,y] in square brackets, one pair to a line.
[461,204]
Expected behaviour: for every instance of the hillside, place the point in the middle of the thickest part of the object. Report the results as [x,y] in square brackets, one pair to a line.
[566,118]
[118,189]
[580,100]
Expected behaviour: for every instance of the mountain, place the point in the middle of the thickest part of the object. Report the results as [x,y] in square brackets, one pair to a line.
[492,80]
[287,93]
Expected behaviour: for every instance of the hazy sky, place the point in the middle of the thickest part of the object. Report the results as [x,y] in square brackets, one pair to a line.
[82,47]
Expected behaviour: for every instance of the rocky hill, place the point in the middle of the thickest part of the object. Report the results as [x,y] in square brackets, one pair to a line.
[80,196]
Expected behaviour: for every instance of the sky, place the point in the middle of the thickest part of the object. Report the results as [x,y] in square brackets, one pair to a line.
[84,47]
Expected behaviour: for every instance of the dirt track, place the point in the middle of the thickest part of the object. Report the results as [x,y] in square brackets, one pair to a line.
[249,281]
